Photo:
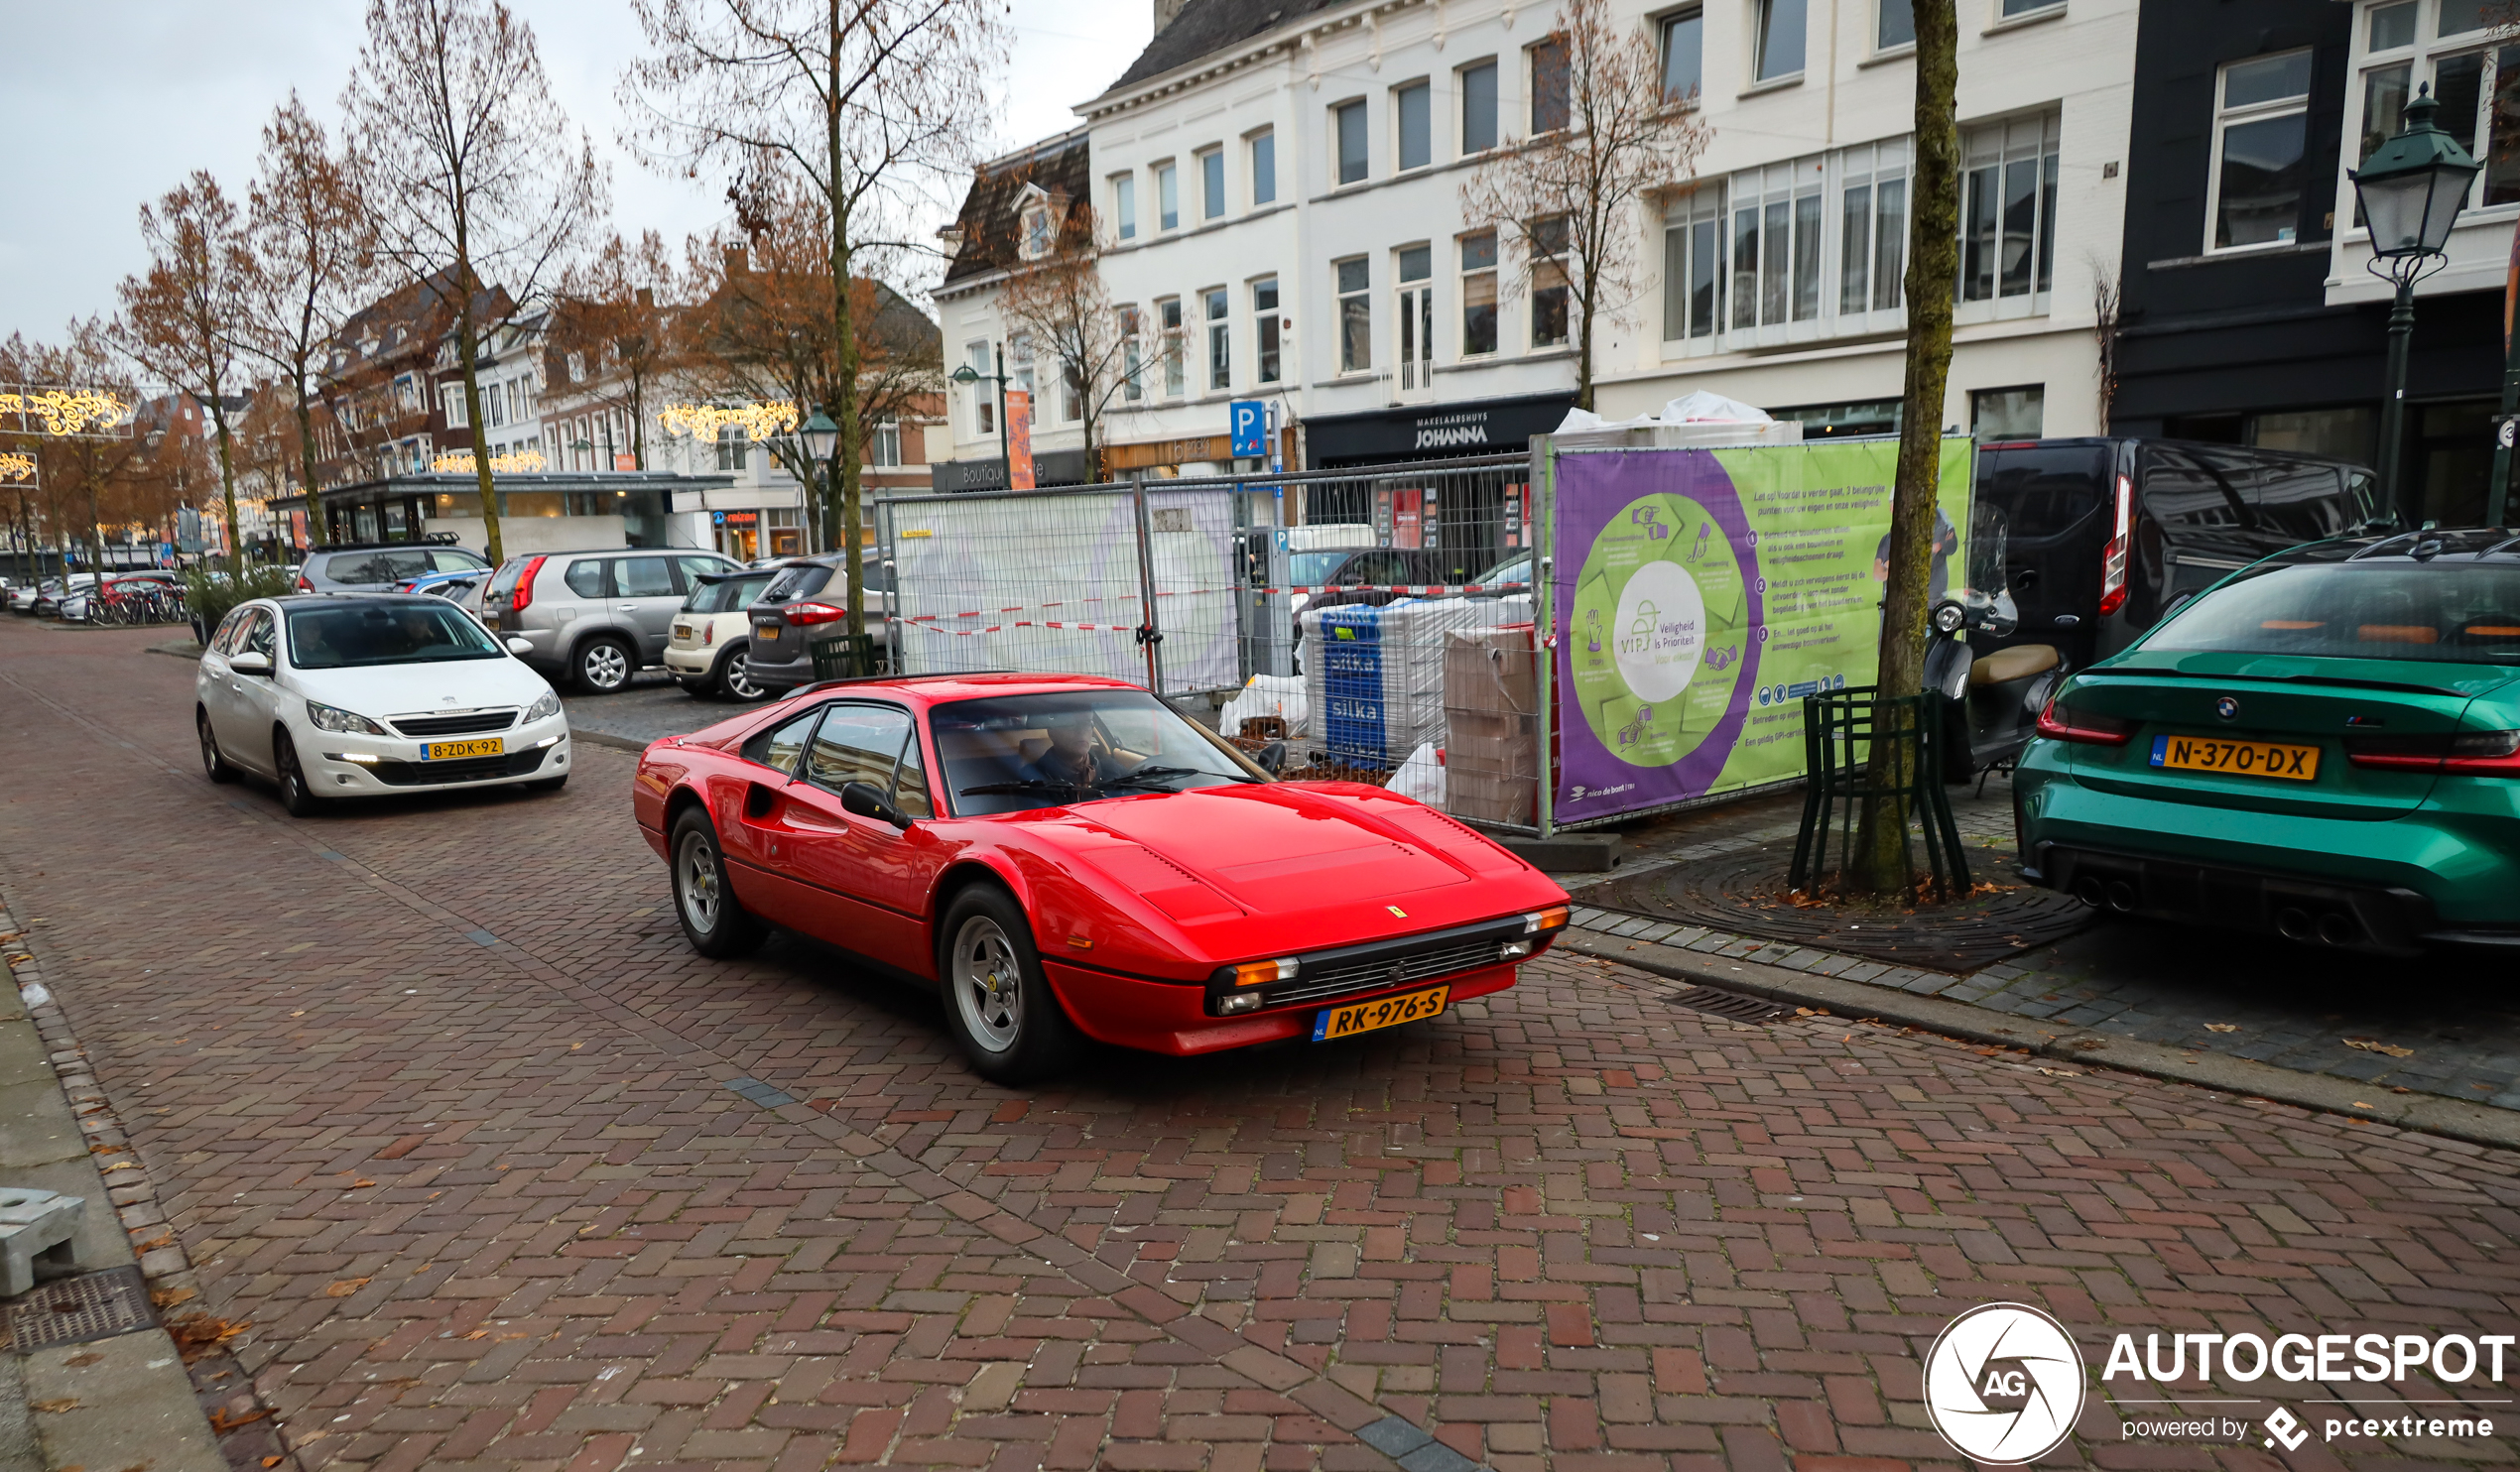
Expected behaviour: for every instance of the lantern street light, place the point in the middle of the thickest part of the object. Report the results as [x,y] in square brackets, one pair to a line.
[812,442]
[966,375]
[2411,191]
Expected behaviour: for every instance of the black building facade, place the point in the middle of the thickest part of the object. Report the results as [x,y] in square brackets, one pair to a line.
[2223,330]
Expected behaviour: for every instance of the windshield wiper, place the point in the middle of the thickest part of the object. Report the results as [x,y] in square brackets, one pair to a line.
[1028,785]
[1141,777]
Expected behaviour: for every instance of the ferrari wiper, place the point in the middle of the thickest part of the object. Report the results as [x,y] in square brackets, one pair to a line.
[1028,785]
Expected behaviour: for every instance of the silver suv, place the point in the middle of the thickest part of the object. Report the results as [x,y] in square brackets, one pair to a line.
[595,617]
[371,567]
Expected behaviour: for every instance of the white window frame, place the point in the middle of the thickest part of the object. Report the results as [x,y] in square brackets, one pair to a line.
[1132,332]
[1873,45]
[1220,342]
[1171,324]
[1125,205]
[1425,86]
[2423,59]
[1267,330]
[1465,275]
[1756,45]
[1662,25]
[2021,12]
[1253,143]
[2226,117]
[1338,116]
[883,449]
[452,396]
[1461,111]
[1338,318]
[1213,205]
[1167,183]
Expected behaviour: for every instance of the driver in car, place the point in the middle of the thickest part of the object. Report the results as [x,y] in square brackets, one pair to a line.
[1072,760]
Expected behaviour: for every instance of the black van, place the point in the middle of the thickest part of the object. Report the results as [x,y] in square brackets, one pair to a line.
[2105,534]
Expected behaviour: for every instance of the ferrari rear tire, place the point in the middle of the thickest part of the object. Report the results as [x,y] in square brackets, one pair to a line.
[713,920]
[997,1003]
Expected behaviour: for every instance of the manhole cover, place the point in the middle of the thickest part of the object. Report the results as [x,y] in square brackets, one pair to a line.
[1731,1004]
[1745,893]
[74,1310]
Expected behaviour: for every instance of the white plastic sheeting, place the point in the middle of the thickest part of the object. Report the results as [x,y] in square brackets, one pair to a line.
[1281,696]
[1421,776]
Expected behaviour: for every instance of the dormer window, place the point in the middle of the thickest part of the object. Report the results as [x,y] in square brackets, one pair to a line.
[1037,234]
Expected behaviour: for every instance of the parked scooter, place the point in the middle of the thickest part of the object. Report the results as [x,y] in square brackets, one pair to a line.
[1994,699]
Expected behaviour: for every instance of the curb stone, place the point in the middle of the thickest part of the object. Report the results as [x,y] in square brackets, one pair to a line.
[1852,1000]
[129,1399]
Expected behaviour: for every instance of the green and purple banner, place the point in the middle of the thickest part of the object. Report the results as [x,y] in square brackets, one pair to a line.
[1702,593]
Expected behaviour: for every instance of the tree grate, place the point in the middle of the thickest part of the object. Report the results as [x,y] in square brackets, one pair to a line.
[76,1311]
[1731,1006]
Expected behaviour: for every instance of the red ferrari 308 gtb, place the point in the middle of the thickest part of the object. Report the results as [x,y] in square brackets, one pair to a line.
[1067,856]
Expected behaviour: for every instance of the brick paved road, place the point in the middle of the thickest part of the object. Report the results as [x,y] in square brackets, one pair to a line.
[437,1099]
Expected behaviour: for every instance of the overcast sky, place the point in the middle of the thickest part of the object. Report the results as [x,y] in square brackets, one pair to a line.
[110,106]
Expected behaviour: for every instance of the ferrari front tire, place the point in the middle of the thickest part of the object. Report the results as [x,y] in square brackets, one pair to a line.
[997,1003]
[713,920]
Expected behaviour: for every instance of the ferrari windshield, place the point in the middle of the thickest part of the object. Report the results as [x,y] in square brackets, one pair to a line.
[1016,752]
[348,633]
[2442,612]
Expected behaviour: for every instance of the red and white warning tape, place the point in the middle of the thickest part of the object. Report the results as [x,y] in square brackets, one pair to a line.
[1407,590]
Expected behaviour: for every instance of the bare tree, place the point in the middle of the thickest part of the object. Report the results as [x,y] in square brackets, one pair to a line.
[476,183]
[1879,864]
[314,244]
[619,306]
[1059,301]
[1606,135]
[184,322]
[861,100]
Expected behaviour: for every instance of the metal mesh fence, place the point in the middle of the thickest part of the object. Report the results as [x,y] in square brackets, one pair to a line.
[1378,622]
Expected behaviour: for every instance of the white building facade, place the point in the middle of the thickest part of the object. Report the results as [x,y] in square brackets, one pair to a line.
[1281,214]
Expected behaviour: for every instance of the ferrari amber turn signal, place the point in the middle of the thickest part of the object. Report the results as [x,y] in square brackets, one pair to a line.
[1260,973]
[1541,921]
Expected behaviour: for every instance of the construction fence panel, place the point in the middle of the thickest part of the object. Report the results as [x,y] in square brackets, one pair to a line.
[1379,622]
[1059,582]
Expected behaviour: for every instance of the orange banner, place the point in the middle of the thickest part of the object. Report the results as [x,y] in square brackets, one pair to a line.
[1019,439]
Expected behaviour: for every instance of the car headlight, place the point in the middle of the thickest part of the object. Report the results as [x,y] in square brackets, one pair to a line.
[544,707]
[334,718]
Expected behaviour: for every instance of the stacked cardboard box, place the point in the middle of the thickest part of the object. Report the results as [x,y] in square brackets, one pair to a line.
[1491,704]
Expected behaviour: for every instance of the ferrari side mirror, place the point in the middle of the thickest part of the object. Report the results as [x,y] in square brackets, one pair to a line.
[862,799]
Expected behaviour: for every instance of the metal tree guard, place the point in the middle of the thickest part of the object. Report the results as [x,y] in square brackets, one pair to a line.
[1838,730]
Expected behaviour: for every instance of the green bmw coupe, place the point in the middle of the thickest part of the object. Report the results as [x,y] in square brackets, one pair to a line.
[2324,746]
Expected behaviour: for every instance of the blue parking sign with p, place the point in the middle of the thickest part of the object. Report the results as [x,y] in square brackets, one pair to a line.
[1250,420]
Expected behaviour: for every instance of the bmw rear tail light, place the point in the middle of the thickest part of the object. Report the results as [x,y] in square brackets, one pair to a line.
[2114,559]
[523,595]
[815,613]
[2474,752]
[2061,722]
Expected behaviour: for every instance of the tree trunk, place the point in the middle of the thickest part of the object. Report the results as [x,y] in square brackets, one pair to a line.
[307,463]
[227,489]
[1879,864]
[469,353]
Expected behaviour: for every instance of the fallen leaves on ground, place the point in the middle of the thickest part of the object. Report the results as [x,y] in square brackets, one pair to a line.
[345,1287]
[2222,1026]
[2373,1044]
[198,1334]
[55,1407]
[221,1423]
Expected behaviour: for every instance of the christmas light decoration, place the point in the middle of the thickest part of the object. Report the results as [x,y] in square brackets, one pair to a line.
[460,462]
[64,412]
[16,466]
[709,421]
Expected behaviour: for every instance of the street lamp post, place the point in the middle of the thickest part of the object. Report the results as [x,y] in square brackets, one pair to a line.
[812,442]
[2411,191]
[966,374]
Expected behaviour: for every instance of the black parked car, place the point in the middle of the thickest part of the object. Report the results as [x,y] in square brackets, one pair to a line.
[806,601]
[2106,535]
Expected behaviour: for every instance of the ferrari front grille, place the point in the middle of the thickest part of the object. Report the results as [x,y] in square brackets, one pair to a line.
[1311,984]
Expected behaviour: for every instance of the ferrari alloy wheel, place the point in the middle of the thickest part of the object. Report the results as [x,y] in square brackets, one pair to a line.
[987,985]
[734,678]
[998,1004]
[714,920]
[213,760]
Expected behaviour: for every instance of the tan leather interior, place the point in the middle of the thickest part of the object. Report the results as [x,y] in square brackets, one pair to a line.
[2020,662]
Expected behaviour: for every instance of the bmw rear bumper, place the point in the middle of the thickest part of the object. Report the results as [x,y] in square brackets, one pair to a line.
[2389,887]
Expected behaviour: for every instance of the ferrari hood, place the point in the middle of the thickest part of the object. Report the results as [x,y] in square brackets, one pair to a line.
[1277,848]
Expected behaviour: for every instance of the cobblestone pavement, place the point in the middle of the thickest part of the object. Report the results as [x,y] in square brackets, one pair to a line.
[651,707]
[2448,1026]
[500,1175]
